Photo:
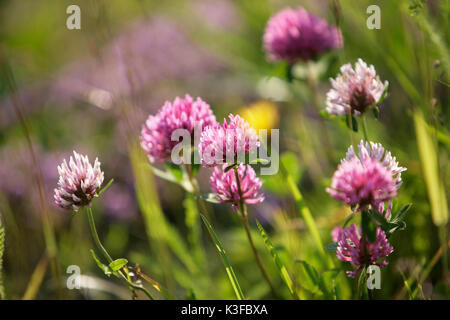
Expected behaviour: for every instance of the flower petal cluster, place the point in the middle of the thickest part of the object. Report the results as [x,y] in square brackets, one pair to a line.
[354,90]
[360,252]
[363,182]
[294,35]
[187,113]
[78,182]
[226,188]
[227,143]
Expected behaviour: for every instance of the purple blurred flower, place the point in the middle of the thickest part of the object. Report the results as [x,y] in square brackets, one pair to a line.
[184,113]
[119,202]
[229,142]
[78,182]
[363,182]
[360,252]
[355,90]
[225,186]
[139,58]
[299,35]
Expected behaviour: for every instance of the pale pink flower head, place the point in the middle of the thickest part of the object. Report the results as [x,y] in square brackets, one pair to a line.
[363,182]
[377,152]
[294,35]
[226,188]
[352,248]
[156,133]
[78,182]
[354,90]
[227,143]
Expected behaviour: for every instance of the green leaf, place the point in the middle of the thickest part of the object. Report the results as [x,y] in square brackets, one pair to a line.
[402,211]
[281,268]
[175,170]
[168,176]
[229,269]
[231,166]
[118,264]
[376,112]
[208,197]
[348,219]
[331,247]
[314,277]
[362,285]
[102,267]
[105,187]
[191,295]
[383,96]
[260,161]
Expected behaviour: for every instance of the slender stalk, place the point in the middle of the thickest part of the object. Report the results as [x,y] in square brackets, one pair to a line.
[306,215]
[95,236]
[194,182]
[325,138]
[244,218]
[108,257]
[47,223]
[364,126]
[350,121]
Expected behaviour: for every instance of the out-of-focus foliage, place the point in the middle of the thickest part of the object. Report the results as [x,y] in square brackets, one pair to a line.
[91,90]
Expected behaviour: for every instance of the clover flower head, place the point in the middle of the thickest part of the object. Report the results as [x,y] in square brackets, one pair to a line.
[377,152]
[364,183]
[187,113]
[227,143]
[354,90]
[294,35]
[351,247]
[226,188]
[78,182]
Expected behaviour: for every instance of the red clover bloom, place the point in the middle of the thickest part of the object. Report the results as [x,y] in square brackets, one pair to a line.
[294,35]
[78,182]
[184,113]
[226,189]
[352,248]
[377,152]
[363,183]
[227,143]
[354,90]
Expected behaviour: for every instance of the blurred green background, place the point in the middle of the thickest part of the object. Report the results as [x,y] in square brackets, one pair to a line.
[90,90]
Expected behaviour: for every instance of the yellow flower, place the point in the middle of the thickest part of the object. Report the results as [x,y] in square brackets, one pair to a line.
[261,115]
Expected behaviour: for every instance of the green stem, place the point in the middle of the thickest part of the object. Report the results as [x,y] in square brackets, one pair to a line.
[108,257]
[195,186]
[244,218]
[316,101]
[364,126]
[95,236]
[350,121]
[306,215]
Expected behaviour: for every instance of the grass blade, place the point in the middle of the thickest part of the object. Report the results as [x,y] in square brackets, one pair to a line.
[306,214]
[280,266]
[430,168]
[230,272]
